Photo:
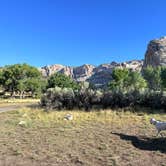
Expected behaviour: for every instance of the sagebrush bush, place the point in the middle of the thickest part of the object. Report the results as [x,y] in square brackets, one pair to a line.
[87,99]
[68,98]
[153,99]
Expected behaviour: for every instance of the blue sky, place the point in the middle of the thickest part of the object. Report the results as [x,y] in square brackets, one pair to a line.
[75,32]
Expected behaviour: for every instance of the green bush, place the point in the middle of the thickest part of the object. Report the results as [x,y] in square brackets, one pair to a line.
[87,99]
[67,98]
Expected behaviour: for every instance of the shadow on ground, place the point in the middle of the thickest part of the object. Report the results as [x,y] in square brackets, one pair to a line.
[145,143]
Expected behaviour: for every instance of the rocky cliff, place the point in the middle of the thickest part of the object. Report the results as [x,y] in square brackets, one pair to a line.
[156,53]
[101,75]
[98,75]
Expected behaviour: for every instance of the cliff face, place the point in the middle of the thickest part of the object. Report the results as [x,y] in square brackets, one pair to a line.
[49,70]
[156,53]
[99,75]
[102,73]
[82,73]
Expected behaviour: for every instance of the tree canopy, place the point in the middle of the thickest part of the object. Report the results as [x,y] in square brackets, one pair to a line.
[62,81]
[125,80]
[20,78]
[163,78]
[153,77]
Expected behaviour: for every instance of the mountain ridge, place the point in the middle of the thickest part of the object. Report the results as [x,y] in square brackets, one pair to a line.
[99,75]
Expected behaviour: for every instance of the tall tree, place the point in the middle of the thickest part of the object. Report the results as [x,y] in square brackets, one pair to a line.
[135,81]
[125,80]
[153,77]
[14,78]
[118,79]
[62,81]
[163,78]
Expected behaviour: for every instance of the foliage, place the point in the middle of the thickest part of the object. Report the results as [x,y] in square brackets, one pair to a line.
[61,81]
[135,81]
[118,79]
[125,80]
[128,88]
[153,99]
[20,78]
[67,98]
[163,78]
[88,99]
[153,77]
[58,98]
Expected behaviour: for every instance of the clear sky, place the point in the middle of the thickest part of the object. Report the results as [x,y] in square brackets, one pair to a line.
[75,32]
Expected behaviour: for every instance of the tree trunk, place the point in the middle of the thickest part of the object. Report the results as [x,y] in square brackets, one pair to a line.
[12,94]
[21,94]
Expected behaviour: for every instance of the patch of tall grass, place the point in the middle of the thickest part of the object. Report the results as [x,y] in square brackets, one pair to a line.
[37,117]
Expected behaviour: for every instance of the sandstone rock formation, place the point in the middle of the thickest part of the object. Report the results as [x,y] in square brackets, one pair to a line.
[135,65]
[82,73]
[67,71]
[156,53]
[102,73]
[49,70]
[99,75]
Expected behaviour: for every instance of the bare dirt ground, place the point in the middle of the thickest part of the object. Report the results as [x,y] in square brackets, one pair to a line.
[11,105]
[116,139]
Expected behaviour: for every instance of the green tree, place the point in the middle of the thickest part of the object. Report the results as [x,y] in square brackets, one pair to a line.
[118,79]
[62,81]
[153,77]
[135,81]
[163,78]
[33,86]
[125,80]
[14,78]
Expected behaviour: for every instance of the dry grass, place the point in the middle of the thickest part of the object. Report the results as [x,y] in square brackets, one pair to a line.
[15,101]
[91,138]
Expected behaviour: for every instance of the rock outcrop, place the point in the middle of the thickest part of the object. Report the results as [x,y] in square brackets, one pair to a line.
[82,73]
[156,53]
[102,73]
[99,75]
[49,70]
[67,70]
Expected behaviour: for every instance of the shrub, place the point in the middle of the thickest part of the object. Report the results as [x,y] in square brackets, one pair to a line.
[67,98]
[152,99]
[52,99]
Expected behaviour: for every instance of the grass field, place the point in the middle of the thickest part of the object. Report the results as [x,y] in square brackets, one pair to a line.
[91,139]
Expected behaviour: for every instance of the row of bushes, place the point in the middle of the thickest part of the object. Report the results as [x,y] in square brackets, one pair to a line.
[87,99]
[67,98]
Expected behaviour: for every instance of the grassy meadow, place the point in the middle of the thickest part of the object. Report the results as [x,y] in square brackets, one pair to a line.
[96,138]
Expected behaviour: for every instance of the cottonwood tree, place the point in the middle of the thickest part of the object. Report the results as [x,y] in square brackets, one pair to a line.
[62,81]
[118,79]
[135,81]
[163,78]
[153,77]
[19,77]
[125,80]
